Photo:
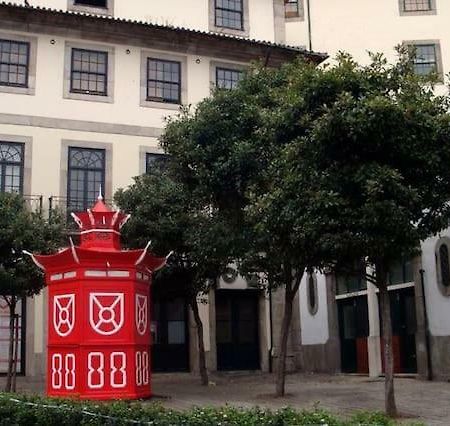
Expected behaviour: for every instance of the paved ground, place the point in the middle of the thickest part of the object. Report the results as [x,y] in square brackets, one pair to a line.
[417,400]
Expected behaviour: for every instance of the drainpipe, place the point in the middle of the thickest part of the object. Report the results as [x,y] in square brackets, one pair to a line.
[271,330]
[427,328]
[308,10]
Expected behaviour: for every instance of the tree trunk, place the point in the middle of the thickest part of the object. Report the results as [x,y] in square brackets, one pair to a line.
[16,352]
[389,396]
[12,312]
[285,326]
[201,347]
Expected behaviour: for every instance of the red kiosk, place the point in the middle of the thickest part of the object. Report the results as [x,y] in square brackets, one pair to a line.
[99,312]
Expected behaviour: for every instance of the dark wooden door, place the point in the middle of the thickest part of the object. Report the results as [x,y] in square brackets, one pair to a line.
[403,318]
[170,349]
[354,330]
[237,330]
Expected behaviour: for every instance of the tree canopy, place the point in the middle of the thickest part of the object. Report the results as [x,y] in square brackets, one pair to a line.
[312,167]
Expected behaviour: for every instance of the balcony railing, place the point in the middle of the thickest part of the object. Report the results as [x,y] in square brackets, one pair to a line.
[34,203]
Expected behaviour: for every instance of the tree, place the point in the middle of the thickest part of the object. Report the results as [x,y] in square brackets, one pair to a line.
[377,159]
[313,167]
[165,212]
[230,151]
[21,229]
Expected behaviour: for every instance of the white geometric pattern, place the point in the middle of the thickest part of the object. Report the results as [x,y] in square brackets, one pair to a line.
[118,372]
[64,314]
[104,308]
[96,374]
[68,367]
[141,314]
[142,368]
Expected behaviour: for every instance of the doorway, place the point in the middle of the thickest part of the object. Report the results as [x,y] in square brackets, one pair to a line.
[404,326]
[170,348]
[237,330]
[354,330]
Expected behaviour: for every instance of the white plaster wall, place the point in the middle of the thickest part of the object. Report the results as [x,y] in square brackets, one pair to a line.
[193,14]
[358,26]
[49,102]
[314,328]
[438,306]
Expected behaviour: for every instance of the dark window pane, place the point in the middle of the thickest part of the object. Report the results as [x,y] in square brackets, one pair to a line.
[311,292]
[444,265]
[416,5]
[229,14]
[11,167]
[228,78]
[425,61]
[163,81]
[89,70]
[155,161]
[14,63]
[85,176]
[93,3]
[291,7]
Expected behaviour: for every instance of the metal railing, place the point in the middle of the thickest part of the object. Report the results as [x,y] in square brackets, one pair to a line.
[34,203]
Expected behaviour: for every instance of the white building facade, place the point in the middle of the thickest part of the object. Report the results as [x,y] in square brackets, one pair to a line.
[84,89]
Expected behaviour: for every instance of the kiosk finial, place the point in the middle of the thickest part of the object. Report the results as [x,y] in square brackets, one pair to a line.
[100,195]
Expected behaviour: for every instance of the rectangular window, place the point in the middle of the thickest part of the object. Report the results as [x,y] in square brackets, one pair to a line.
[155,161]
[92,3]
[89,72]
[291,8]
[163,81]
[401,272]
[227,78]
[426,59]
[229,14]
[11,167]
[86,173]
[417,5]
[14,63]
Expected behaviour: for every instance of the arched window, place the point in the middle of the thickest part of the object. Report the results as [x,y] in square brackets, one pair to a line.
[11,167]
[311,293]
[85,176]
[443,265]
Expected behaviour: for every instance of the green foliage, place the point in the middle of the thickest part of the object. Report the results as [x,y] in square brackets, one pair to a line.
[21,229]
[164,211]
[38,411]
[315,165]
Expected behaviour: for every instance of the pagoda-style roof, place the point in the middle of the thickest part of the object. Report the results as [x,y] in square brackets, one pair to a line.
[99,245]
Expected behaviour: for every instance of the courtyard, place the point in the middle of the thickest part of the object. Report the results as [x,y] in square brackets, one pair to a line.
[417,400]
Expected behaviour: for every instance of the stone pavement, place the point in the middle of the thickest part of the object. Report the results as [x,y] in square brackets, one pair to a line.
[417,400]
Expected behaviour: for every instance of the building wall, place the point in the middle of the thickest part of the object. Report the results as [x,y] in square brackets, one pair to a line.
[48,122]
[194,14]
[438,309]
[358,26]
